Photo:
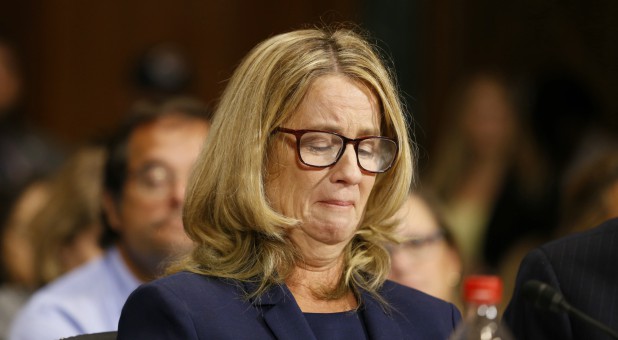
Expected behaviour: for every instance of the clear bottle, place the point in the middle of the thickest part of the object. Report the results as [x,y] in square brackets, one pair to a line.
[482,294]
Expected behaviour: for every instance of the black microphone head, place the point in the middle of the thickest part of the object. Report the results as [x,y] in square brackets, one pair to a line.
[544,296]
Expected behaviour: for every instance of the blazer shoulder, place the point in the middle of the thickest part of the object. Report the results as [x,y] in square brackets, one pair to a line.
[419,313]
[196,287]
[408,300]
[604,232]
[396,293]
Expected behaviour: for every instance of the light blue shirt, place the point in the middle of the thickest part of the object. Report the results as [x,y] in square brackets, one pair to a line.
[89,299]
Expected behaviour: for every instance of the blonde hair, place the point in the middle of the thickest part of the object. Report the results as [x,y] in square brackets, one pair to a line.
[73,209]
[238,234]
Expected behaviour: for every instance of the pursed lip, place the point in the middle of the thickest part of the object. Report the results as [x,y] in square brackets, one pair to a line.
[338,203]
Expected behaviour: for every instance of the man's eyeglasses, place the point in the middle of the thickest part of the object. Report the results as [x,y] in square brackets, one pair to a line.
[321,149]
[154,180]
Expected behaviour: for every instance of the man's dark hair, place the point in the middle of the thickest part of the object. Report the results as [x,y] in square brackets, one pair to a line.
[116,165]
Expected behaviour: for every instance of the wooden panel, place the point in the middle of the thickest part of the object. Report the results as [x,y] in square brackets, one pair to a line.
[81,53]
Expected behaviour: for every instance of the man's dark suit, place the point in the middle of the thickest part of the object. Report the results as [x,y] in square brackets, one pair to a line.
[584,268]
[191,306]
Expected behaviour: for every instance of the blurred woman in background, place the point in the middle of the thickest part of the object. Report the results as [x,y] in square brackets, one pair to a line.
[52,228]
[66,231]
[427,258]
[489,174]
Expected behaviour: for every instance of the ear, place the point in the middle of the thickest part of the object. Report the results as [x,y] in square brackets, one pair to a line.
[112,211]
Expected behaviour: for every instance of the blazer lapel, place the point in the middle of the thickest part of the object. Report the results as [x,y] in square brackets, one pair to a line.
[282,315]
[380,325]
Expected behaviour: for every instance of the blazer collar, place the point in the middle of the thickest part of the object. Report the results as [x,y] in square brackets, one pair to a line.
[283,316]
[379,322]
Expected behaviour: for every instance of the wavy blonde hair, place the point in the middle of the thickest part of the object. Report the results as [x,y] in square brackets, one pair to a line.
[238,235]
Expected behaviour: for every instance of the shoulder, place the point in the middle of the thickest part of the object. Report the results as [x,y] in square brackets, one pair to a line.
[183,305]
[605,233]
[584,251]
[95,276]
[406,297]
[83,300]
[409,304]
[80,282]
[564,264]
[192,288]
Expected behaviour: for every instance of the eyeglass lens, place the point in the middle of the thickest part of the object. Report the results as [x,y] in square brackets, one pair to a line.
[154,179]
[420,247]
[374,154]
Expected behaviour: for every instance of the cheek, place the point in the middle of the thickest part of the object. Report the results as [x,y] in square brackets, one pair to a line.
[291,191]
[366,187]
[137,209]
[288,185]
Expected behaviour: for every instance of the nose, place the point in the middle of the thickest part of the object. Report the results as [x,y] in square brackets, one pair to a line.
[178,190]
[347,169]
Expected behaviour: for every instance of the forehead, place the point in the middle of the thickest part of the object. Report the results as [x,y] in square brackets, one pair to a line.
[338,103]
[417,218]
[175,140]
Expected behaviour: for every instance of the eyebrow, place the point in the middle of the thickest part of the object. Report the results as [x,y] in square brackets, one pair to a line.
[149,162]
[337,129]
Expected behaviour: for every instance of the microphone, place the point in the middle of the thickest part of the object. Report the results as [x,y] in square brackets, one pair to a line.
[546,297]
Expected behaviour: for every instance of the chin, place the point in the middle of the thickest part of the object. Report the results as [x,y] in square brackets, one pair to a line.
[337,235]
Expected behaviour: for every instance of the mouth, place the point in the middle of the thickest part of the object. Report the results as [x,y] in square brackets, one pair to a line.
[338,203]
[172,222]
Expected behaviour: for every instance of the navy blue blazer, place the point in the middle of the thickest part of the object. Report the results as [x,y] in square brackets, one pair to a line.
[191,306]
[584,268]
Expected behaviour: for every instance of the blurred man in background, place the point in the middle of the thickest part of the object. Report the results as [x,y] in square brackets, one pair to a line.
[145,175]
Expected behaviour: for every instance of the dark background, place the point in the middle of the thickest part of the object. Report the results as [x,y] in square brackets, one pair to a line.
[79,56]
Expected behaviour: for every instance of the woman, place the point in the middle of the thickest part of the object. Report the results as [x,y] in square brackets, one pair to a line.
[66,231]
[308,156]
[428,259]
[489,174]
[17,274]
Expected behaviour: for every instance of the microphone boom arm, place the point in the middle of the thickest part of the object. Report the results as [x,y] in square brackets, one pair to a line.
[545,296]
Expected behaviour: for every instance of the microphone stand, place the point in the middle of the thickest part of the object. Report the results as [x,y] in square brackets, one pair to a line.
[586,318]
[545,296]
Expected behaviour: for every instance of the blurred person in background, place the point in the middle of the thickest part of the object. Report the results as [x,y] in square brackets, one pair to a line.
[163,70]
[591,195]
[18,278]
[580,263]
[54,227]
[582,268]
[427,257]
[66,231]
[568,121]
[146,170]
[489,173]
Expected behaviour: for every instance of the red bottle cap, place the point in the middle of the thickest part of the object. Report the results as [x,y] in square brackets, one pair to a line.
[483,289]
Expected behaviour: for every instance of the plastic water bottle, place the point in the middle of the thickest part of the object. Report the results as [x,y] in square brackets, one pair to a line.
[482,294]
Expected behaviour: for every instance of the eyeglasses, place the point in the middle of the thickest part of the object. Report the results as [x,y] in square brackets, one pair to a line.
[321,149]
[154,180]
[419,247]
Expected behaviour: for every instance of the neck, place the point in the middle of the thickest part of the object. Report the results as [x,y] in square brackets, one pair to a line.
[139,271]
[311,281]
